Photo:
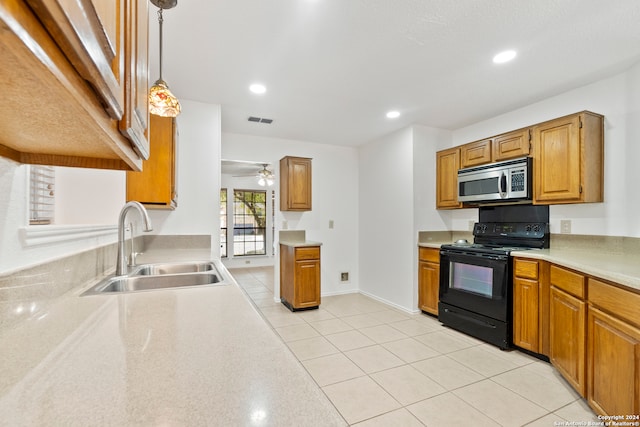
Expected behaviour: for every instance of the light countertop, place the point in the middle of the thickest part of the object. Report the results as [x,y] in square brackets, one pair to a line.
[196,356]
[620,267]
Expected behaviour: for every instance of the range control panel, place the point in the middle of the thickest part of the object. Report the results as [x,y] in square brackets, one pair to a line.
[511,229]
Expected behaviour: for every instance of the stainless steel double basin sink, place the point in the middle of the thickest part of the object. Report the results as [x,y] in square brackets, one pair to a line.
[148,277]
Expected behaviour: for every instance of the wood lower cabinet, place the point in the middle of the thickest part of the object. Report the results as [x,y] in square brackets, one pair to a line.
[567,326]
[295,184]
[155,186]
[447,165]
[300,276]
[428,279]
[613,349]
[568,165]
[531,305]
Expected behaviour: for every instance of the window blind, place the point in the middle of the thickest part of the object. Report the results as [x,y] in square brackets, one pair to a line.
[41,195]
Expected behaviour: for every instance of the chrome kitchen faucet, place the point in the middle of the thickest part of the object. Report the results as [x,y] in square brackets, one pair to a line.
[121,265]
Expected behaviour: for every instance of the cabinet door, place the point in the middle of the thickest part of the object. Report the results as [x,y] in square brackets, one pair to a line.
[614,365]
[511,145]
[526,314]
[567,348]
[475,153]
[295,184]
[428,286]
[557,161]
[447,165]
[307,284]
[155,186]
[90,33]
[135,119]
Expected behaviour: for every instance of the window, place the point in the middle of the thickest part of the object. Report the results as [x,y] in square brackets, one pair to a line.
[249,222]
[223,223]
[41,195]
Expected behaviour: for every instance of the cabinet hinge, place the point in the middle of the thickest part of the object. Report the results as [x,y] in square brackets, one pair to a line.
[580,188]
[580,125]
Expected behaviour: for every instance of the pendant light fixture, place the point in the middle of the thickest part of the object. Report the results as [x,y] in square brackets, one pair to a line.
[161,101]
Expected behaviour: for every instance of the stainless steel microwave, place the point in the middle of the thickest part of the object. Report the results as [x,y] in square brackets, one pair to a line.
[508,181]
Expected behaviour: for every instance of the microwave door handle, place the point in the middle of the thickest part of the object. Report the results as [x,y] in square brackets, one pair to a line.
[503,185]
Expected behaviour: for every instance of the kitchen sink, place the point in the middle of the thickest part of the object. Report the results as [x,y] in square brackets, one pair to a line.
[160,276]
[172,268]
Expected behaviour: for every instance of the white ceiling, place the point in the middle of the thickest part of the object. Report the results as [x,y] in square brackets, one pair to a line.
[333,68]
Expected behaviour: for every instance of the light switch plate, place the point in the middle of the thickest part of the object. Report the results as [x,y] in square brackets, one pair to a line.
[565,226]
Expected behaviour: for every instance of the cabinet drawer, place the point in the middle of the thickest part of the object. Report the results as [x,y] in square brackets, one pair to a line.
[568,281]
[619,302]
[526,269]
[308,253]
[429,254]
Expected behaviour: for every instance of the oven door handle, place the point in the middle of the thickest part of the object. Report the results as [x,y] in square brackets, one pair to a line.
[445,252]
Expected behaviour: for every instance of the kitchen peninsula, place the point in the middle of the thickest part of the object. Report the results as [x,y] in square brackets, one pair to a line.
[192,356]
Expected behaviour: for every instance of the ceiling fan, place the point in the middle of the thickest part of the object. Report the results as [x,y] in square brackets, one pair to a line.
[264,176]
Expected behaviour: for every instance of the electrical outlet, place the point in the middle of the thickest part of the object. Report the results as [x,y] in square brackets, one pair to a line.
[246,261]
[565,226]
[344,276]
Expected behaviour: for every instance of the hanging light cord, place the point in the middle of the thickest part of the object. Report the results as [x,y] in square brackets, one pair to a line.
[160,21]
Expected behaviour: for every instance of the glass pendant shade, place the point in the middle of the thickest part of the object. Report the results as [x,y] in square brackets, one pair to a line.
[161,101]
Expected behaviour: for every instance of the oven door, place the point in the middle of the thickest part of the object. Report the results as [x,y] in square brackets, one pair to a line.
[476,282]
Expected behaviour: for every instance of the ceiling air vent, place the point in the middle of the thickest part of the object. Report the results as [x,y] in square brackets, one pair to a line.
[260,120]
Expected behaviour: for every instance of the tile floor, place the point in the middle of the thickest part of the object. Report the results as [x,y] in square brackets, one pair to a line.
[383,367]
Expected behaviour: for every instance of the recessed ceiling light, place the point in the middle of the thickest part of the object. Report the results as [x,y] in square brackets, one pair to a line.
[258,88]
[393,114]
[505,56]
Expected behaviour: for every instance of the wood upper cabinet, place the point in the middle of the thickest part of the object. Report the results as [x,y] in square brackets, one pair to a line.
[155,185]
[295,184]
[511,145]
[428,279]
[447,165]
[72,54]
[475,153]
[613,349]
[300,276]
[567,326]
[135,119]
[569,159]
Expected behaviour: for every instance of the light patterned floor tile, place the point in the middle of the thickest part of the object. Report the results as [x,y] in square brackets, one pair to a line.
[551,394]
[410,350]
[483,360]
[447,372]
[314,315]
[383,333]
[312,348]
[397,418]
[296,332]
[349,340]
[388,316]
[373,359]
[549,420]
[407,385]
[360,399]
[362,321]
[278,320]
[578,411]
[443,342]
[413,327]
[330,326]
[500,404]
[449,410]
[332,369]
